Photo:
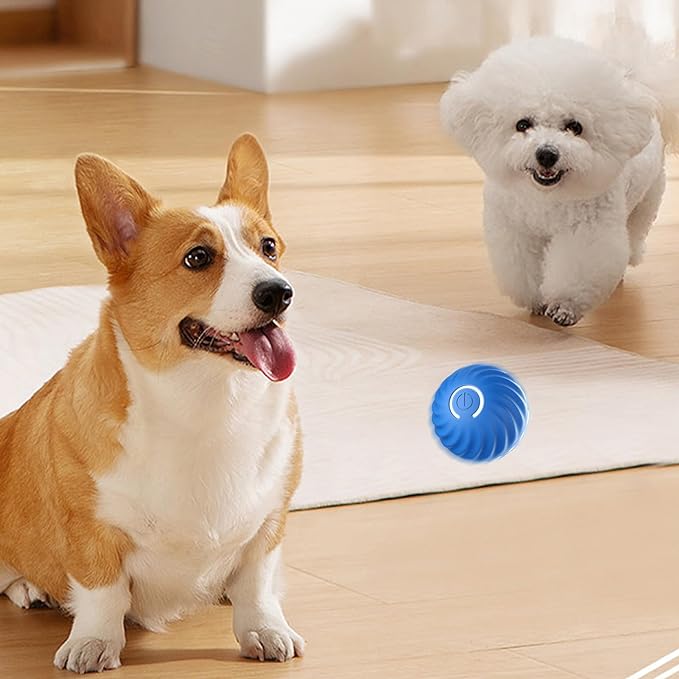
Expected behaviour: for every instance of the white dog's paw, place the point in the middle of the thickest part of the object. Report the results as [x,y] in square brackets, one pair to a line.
[25,594]
[88,654]
[562,313]
[279,642]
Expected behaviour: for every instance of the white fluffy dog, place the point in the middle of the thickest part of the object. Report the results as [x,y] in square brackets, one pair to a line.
[572,143]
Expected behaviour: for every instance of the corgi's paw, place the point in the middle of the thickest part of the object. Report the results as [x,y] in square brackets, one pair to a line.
[88,654]
[562,313]
[25,594]
[279,642]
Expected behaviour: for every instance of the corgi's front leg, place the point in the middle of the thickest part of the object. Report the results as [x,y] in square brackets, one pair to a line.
[98,634]
[258,620]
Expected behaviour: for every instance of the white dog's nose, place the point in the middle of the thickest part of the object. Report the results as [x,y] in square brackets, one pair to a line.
[547,156]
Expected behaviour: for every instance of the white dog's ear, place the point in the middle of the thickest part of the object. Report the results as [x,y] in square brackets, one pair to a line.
[628,128]
[462,111]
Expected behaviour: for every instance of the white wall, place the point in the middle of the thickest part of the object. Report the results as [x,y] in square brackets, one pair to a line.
[219,40]
[284,45]
[377,42]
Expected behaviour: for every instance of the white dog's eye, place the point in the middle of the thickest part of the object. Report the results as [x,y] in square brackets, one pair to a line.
[524,124]
[573,126]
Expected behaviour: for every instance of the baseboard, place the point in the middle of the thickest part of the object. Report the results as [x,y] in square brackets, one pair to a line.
[31,61]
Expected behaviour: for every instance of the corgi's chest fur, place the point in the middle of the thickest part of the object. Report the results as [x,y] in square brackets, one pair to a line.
[203,465]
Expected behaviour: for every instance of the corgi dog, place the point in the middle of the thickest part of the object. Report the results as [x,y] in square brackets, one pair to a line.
[152,474]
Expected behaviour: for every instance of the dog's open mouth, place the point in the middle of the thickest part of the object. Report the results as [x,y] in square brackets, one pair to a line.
[546,177]
[267,348]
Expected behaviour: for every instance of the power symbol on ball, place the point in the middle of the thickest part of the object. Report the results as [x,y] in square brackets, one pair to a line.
[464,401]
[464,398]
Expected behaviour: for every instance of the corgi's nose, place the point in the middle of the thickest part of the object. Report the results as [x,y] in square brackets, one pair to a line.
[272,297]
[547,156]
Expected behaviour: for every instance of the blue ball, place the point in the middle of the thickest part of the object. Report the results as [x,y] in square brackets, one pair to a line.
[479,413]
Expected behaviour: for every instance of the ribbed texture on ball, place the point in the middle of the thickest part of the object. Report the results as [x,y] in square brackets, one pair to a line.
[498,426]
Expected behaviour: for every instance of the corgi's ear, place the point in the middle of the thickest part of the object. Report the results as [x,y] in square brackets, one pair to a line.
[114,206]
[247,176]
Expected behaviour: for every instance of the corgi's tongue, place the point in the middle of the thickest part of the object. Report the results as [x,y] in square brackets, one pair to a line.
[269,349]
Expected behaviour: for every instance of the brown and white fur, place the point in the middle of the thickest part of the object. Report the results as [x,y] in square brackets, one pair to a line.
[152,474]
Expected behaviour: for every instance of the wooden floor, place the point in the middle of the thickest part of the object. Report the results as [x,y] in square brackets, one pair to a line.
[572,577]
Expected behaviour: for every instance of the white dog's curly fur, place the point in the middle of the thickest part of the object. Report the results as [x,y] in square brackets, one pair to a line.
[572,143]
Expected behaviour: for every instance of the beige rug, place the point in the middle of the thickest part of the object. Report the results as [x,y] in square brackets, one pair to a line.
[368,367]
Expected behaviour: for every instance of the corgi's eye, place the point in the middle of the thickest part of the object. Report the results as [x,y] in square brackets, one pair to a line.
[574,126]
[524,124]
[198,258]
[269,248]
